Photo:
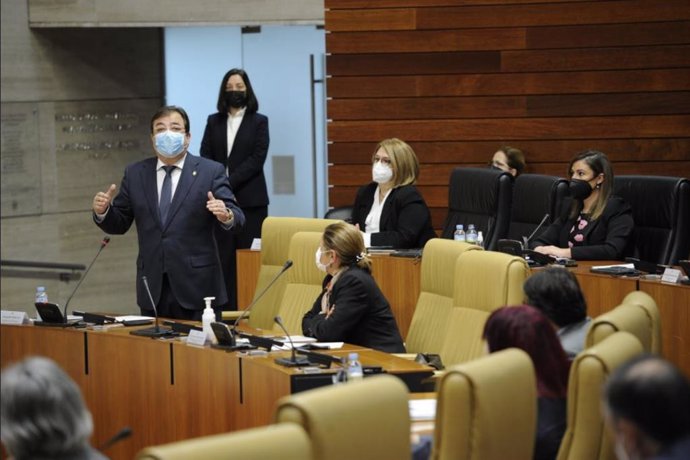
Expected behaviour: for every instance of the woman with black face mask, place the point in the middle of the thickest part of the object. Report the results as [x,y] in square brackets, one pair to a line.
[237,137]
[597,225]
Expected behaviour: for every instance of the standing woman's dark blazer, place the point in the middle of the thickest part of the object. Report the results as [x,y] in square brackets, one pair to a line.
[405,218]
[604,239]
[246,161]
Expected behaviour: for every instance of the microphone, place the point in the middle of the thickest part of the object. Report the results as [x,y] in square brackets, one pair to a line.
[50,312]
[527,240]
[293,361]
[156,330]
[104,243]
[246,311]
[124,433]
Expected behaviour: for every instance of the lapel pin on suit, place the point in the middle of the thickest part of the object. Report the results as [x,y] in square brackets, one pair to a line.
[193,173]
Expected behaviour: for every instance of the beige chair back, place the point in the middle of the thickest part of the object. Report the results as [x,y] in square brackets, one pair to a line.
[646,302]
[585,435]
[276,233]
[641,321]
[487,409]
[364,420]
[286,442]
[484,281]
[435,302]
[304,281]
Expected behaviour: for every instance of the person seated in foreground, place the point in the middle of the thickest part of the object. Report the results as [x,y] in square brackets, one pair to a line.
[42,413]
[647,408]
[351,307]
[598,224]
[390,211]
[526,328]
[509,159]
[556,293]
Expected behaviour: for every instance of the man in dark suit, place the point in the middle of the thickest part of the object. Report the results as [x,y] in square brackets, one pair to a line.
[176,200]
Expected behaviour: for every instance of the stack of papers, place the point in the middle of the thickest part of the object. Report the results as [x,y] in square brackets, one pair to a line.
[422,409]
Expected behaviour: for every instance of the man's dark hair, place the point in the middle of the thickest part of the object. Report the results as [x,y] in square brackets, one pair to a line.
[556,292]
[654,395]
[167,110]
[252,102]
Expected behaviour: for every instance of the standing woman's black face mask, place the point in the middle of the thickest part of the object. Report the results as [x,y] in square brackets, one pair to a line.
[236,99]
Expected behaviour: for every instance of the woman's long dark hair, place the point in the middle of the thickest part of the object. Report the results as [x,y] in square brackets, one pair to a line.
[252,102]
[526,328]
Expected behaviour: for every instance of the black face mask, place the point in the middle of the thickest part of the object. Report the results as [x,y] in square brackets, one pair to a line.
[580,189]
[236,99]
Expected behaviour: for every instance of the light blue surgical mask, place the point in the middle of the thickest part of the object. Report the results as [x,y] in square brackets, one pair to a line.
[169,143]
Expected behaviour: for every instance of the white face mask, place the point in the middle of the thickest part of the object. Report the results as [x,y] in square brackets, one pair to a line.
[381,173]
[319,265]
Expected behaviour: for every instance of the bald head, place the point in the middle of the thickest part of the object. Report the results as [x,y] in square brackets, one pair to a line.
[652,394]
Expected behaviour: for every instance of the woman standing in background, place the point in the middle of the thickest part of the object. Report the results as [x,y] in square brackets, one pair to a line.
[237,136]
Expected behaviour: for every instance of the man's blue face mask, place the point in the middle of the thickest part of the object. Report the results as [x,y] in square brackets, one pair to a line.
[169,143]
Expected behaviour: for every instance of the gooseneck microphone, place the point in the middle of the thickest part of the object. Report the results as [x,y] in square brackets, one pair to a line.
[104,243]
[124,433]
[293,361]
[246,311]
[527,240]
[156,330]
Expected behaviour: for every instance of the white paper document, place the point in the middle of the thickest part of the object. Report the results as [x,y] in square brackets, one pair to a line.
[422,409]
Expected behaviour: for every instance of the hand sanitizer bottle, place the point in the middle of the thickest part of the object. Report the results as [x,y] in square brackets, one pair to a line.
[207,318]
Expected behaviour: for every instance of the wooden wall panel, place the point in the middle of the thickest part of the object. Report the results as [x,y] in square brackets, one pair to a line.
[459,78]
[611,81]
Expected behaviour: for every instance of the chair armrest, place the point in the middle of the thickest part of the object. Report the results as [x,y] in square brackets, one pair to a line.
[233,315]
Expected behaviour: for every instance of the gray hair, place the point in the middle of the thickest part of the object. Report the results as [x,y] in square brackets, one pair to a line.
[42,412]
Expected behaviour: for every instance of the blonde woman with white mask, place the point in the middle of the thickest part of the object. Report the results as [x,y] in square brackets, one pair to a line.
[390,211]
[351,308]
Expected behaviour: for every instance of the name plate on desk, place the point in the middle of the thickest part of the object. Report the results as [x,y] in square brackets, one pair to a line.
[197,338]
[671,275]
[14,317]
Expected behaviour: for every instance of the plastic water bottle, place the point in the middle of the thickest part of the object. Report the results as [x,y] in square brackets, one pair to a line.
[41,295]
[459,234]
[471,234]
[480,239]
[354,368]
[207,318]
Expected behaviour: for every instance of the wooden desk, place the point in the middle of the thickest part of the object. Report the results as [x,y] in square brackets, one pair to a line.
[399,280]
[168,391]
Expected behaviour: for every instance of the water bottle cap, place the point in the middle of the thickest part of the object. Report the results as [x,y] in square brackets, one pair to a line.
[458,227]
[353,357]
[41,288]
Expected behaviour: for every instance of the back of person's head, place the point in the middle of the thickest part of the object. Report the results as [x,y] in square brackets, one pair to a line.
[252,102]
[556,292]
[653,395]
[526,328]
[403,161]
[347,241]
[600,164]
[42,412]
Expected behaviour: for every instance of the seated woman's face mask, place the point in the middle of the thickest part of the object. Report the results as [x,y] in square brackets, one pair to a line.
[319,265]
[580,189]
[381,173]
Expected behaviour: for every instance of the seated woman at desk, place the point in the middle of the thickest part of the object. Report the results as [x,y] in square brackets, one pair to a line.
[597,225]
[509,159]
[390,210]
[351,307]
[526,328]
